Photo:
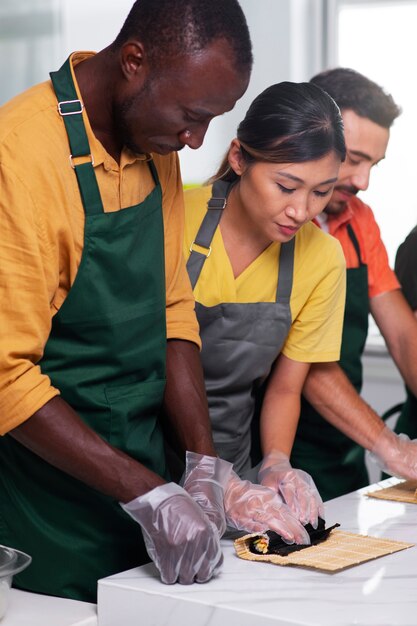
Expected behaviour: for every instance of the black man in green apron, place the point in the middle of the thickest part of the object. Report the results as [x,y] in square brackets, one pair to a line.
[95,285]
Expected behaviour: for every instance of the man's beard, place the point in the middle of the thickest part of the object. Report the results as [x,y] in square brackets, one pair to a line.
[338,206]
[121,112]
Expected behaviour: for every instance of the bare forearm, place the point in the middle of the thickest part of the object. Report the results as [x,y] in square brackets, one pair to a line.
[281,405]
[330,392]
[58,435]
[185,401]
[279,421]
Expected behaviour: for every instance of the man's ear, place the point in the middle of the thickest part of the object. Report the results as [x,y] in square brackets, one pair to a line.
[235,158]
[134,61]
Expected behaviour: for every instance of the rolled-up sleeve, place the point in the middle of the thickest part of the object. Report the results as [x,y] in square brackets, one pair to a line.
[25,314]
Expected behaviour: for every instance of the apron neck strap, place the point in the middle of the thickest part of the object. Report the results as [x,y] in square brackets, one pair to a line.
[204,237]
[355,242]
[154,172]
[286,271]
[205,234]
[70,108]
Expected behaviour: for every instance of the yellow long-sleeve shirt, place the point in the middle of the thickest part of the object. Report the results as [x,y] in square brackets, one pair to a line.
[42,232]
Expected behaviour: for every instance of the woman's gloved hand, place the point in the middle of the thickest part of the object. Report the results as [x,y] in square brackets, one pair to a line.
[255,508]
[296,487]
[205,479]
[395,454]
[179,537]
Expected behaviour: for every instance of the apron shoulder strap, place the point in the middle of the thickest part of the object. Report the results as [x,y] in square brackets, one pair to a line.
[208,226]
[286,271]
[70,108]
[153,169]
[355,242]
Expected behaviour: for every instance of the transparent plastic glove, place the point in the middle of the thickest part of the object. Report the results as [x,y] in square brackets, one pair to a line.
[179,537]
[255,508]
[396,454]
[296,487]
[205,479]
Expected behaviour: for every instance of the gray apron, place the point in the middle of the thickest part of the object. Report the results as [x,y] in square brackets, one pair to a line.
[240,341]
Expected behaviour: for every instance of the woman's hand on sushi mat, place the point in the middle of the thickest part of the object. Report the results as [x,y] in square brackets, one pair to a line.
[254,508]
[296,487]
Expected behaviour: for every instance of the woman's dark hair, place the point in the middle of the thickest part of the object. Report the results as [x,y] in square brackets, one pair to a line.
[288,123]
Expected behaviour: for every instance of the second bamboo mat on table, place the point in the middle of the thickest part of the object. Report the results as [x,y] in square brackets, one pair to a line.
[402,492]
[339,551]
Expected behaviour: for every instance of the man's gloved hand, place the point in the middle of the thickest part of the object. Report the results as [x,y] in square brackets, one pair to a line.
[179,537]
[205,479]
[255,508]
[296,487]
[395,454]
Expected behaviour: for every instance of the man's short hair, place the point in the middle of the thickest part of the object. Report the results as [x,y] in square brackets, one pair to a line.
[171,28]
[351,90]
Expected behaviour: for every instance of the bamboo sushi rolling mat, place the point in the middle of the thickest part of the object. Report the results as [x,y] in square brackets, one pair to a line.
[339,551]
[402,492]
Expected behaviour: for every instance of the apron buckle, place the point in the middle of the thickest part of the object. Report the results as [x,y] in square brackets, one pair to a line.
[69,107]
[83,156]
[200,246]
[217,203]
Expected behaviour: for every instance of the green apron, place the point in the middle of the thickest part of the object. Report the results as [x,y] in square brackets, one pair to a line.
[335,462]
[106,353]
[407,422]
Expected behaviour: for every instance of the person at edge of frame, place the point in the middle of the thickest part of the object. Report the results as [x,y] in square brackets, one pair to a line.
[405,269]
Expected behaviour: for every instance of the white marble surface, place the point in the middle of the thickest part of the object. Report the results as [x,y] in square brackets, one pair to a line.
[382,592]
[32,609]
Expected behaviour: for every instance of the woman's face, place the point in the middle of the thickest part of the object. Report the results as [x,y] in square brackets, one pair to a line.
[276,199]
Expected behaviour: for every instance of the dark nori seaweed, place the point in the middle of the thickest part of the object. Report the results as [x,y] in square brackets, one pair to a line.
[278,546]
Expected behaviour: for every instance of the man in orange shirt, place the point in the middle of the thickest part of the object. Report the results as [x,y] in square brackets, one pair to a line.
[331,449]
[98,331]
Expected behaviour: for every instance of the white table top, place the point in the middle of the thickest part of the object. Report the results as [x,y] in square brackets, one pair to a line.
[32,609]
[382,592]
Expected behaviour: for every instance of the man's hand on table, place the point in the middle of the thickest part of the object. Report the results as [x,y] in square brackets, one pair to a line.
[180,539]
[396,454]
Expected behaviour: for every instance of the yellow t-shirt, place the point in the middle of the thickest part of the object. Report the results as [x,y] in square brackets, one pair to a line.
[319,283]
[41,238]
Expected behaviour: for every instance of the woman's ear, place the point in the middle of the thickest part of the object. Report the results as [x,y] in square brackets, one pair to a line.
[235,158]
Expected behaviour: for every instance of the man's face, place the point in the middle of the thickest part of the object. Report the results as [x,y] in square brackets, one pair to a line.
[366,144]
[174,109]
